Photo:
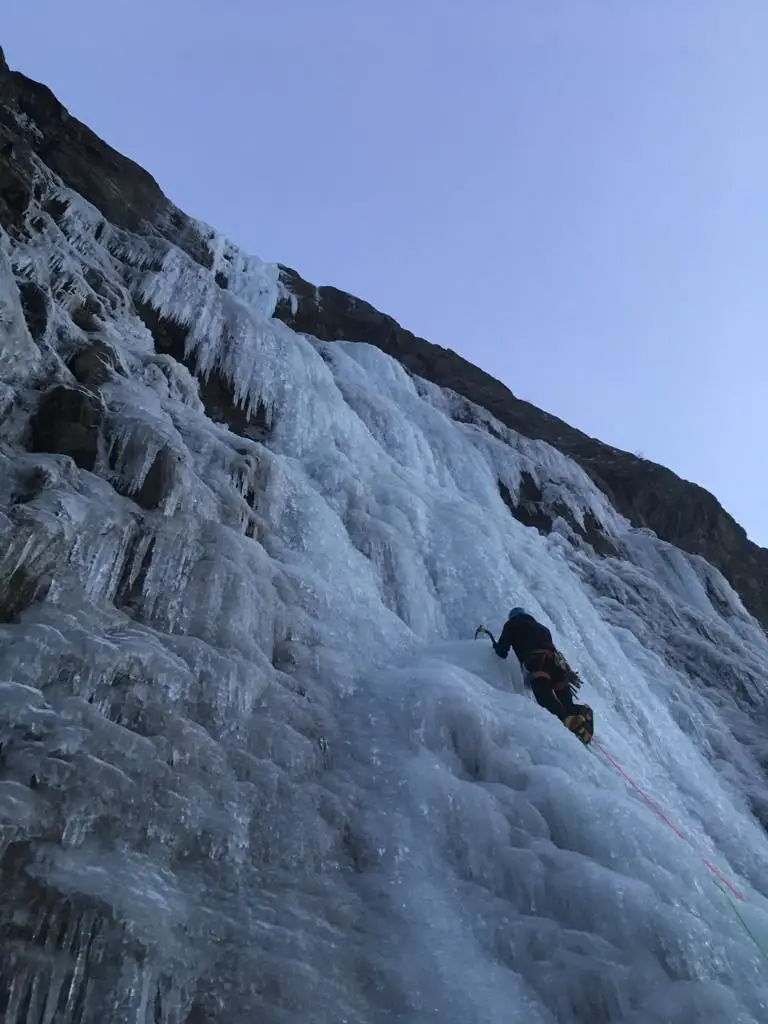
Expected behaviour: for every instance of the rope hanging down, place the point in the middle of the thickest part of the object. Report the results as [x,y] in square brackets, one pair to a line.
[726,888]
[655,807]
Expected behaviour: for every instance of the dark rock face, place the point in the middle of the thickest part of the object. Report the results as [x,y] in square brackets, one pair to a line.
[34,307]
[93,365]
[14,192]
[157,484]
[647,494]
[532,510]
[123,191]
[20,590]
[68,422]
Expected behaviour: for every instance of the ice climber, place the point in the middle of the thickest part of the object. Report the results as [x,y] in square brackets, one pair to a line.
[553,681]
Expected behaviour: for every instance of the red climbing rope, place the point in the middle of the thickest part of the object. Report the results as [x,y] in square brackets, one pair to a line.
[655,807]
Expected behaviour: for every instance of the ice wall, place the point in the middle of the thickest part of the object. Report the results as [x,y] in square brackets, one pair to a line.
[253,766]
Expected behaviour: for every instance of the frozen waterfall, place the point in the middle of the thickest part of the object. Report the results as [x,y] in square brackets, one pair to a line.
[253,766]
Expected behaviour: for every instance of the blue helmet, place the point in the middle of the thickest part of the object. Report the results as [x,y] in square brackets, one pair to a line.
[514,612]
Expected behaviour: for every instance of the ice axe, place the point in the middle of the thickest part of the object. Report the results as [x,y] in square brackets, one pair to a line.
[482,629]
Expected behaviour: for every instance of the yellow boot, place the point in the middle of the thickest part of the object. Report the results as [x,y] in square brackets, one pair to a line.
[581,723]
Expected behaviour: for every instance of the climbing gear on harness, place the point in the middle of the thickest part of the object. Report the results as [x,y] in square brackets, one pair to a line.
[550,665]
[536,664]
[574,680]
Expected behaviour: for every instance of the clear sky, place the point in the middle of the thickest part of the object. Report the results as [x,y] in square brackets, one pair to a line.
[573,194]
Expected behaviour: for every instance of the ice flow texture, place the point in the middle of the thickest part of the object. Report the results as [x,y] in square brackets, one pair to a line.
[251,768]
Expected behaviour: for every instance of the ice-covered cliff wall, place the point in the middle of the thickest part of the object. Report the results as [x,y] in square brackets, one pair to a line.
[252,766]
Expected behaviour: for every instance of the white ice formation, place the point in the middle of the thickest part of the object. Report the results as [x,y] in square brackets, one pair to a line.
[254,766]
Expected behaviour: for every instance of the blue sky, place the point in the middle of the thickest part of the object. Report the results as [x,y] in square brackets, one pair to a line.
[570,194]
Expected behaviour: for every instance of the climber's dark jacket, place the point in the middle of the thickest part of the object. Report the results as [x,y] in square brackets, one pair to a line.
[524,635]
[532,643]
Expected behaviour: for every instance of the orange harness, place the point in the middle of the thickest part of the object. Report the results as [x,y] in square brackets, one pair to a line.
[540,673]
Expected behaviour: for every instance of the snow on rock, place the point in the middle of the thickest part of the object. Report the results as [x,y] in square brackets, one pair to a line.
[252,764]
